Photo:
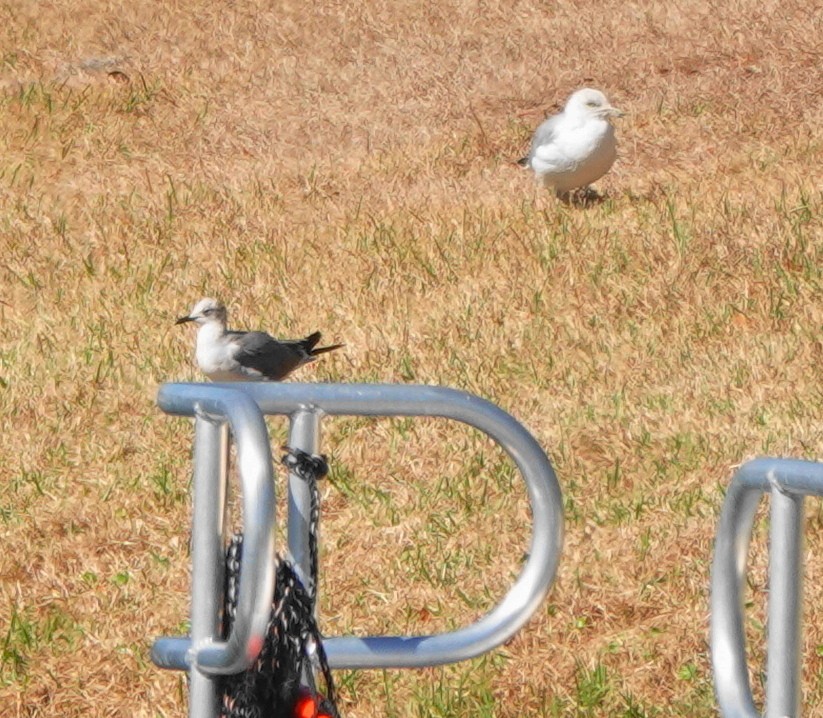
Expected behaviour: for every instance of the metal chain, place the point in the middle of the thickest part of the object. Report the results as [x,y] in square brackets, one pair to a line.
[310,468]
[271,687]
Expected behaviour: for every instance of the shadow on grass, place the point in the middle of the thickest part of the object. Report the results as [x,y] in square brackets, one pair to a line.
[582,197]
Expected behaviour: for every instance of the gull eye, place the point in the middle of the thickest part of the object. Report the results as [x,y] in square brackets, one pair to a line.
[591,103]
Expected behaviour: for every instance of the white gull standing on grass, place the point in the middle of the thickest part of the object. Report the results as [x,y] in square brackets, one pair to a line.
[226,355]
[577,146]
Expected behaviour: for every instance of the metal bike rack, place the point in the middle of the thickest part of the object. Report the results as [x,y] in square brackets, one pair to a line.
[788,481]
[241,407]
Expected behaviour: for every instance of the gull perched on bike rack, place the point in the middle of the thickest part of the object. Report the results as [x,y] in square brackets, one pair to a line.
[226,355]
[575,147]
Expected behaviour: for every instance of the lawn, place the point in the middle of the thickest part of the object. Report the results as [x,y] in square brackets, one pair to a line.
[350,168]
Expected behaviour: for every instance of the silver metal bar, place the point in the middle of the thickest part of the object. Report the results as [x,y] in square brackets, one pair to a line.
[405,400]
[204,651]
[304,433]
[209,499]
[728,638]
[787,480]
[785,605]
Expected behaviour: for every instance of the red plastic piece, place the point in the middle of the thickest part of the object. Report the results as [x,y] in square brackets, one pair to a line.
[307,706]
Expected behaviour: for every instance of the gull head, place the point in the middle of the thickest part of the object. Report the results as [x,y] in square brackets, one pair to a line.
[205,311]
[590,103]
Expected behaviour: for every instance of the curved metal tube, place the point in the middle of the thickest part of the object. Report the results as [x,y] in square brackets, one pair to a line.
[254,462]
[728,643]
[545,499]
[791,480]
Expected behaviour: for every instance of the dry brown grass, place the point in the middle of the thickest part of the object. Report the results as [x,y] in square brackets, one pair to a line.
[348,168]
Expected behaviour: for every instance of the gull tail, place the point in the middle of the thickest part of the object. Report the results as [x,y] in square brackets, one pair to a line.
[310,345]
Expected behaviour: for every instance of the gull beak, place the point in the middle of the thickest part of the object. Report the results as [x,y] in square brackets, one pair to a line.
[614,112]
[183,320]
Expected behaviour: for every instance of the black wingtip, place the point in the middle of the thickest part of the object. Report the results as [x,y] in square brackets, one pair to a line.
[323,350]
[311,341]
[310,345]
[523,162]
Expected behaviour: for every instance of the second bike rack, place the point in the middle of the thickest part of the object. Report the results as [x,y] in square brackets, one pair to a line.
[787,481]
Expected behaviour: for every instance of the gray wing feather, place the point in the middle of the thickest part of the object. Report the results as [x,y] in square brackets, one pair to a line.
[265,354]
[544,134]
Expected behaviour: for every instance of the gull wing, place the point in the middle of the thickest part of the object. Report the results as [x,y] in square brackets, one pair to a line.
[544,134]
[261,354]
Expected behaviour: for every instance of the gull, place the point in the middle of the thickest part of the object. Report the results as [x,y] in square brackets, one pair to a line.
[575,147]
[225,355]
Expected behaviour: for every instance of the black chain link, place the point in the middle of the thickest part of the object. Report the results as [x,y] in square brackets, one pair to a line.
[310,468]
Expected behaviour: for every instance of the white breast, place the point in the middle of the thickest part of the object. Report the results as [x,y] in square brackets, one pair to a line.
[214,353]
